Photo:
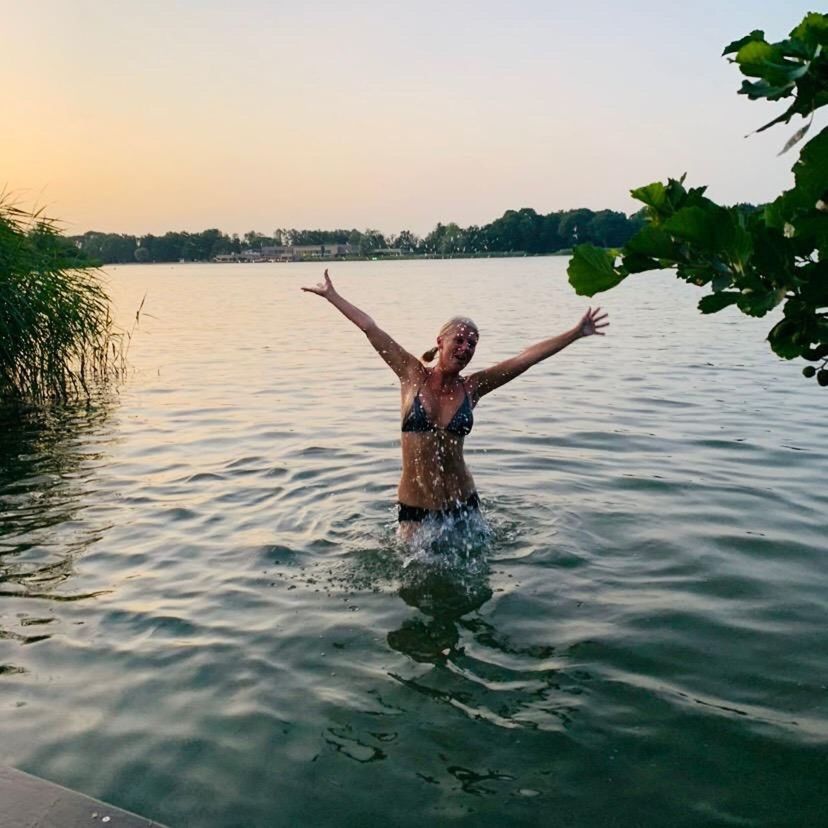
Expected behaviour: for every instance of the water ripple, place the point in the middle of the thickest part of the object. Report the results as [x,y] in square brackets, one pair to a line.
[200,579]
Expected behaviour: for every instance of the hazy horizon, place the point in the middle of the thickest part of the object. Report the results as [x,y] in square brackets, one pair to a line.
[147,119]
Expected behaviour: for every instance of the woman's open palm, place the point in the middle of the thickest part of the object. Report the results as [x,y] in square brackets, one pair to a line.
[592,322]
[324,288]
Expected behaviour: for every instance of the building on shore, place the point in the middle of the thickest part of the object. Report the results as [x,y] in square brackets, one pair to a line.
[248,256]
[289,253]
[388,252]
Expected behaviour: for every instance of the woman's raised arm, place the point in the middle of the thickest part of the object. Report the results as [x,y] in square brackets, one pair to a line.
[400,361]
[488,379]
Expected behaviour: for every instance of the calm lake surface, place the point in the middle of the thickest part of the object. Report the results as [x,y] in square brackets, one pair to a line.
[205,616]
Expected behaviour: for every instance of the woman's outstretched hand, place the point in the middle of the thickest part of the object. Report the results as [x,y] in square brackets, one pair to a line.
[324,288]
[592,322]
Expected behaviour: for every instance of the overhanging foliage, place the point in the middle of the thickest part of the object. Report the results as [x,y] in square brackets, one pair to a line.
[753,260]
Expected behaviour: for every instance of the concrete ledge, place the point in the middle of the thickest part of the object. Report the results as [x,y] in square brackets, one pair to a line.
[29,802]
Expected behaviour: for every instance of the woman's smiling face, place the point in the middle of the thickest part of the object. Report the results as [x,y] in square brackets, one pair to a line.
[456,347]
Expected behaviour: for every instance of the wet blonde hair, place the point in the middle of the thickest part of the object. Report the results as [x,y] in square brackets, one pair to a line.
[454,322]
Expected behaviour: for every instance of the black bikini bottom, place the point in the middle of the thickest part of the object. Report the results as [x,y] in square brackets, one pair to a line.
[415,513]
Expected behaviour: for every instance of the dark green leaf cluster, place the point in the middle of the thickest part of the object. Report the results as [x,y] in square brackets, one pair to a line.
[55,327]
[754,259]
[795,67]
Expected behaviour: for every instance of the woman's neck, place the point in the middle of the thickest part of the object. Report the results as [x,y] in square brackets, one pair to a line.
[442,380]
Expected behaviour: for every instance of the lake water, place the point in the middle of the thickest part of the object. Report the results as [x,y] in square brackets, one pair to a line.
[205,616]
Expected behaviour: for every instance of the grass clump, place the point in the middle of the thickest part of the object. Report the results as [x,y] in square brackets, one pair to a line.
[56,334]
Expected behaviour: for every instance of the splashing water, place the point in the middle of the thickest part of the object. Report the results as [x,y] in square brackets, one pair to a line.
[445,576]
[449,543]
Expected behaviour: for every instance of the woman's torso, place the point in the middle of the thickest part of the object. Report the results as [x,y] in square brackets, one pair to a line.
[434,472]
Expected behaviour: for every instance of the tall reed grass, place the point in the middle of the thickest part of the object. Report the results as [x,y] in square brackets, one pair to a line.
[56,333]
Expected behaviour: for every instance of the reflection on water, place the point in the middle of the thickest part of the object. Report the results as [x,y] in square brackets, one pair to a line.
[649,595]
[445,576]
[47,468]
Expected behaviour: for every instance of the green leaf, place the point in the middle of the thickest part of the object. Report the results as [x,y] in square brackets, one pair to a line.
[773,92]
[813,30]
[676,194]
[713,229]
[639,263]
[814,289]
[796,308]
[783,118]
[693,224]
[781,338]
[756,34]
[795,138]
[695,273]
[758,303]
[778,213]
[652,241]
[592,270]
[816,354]
[755,56]
[811,171]
[772,253]
[797,208]
[795,48]
[721,281]
[653,195]
[812,230]
[717,301]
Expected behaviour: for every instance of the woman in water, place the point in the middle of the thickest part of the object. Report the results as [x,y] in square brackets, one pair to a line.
[437,405]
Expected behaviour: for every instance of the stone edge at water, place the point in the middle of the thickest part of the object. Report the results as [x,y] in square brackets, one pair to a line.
[29,802]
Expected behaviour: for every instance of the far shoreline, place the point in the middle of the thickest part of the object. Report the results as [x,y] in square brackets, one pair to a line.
[415,257]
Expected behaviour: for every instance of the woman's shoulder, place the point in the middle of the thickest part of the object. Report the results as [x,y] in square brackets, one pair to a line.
[472,385]
[415,378]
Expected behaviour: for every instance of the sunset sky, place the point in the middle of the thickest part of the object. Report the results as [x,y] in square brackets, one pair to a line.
[251,115]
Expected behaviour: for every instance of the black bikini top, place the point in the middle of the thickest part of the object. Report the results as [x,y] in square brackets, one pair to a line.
[461,423]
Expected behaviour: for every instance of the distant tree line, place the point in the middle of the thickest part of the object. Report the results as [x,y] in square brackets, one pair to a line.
[516,231]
